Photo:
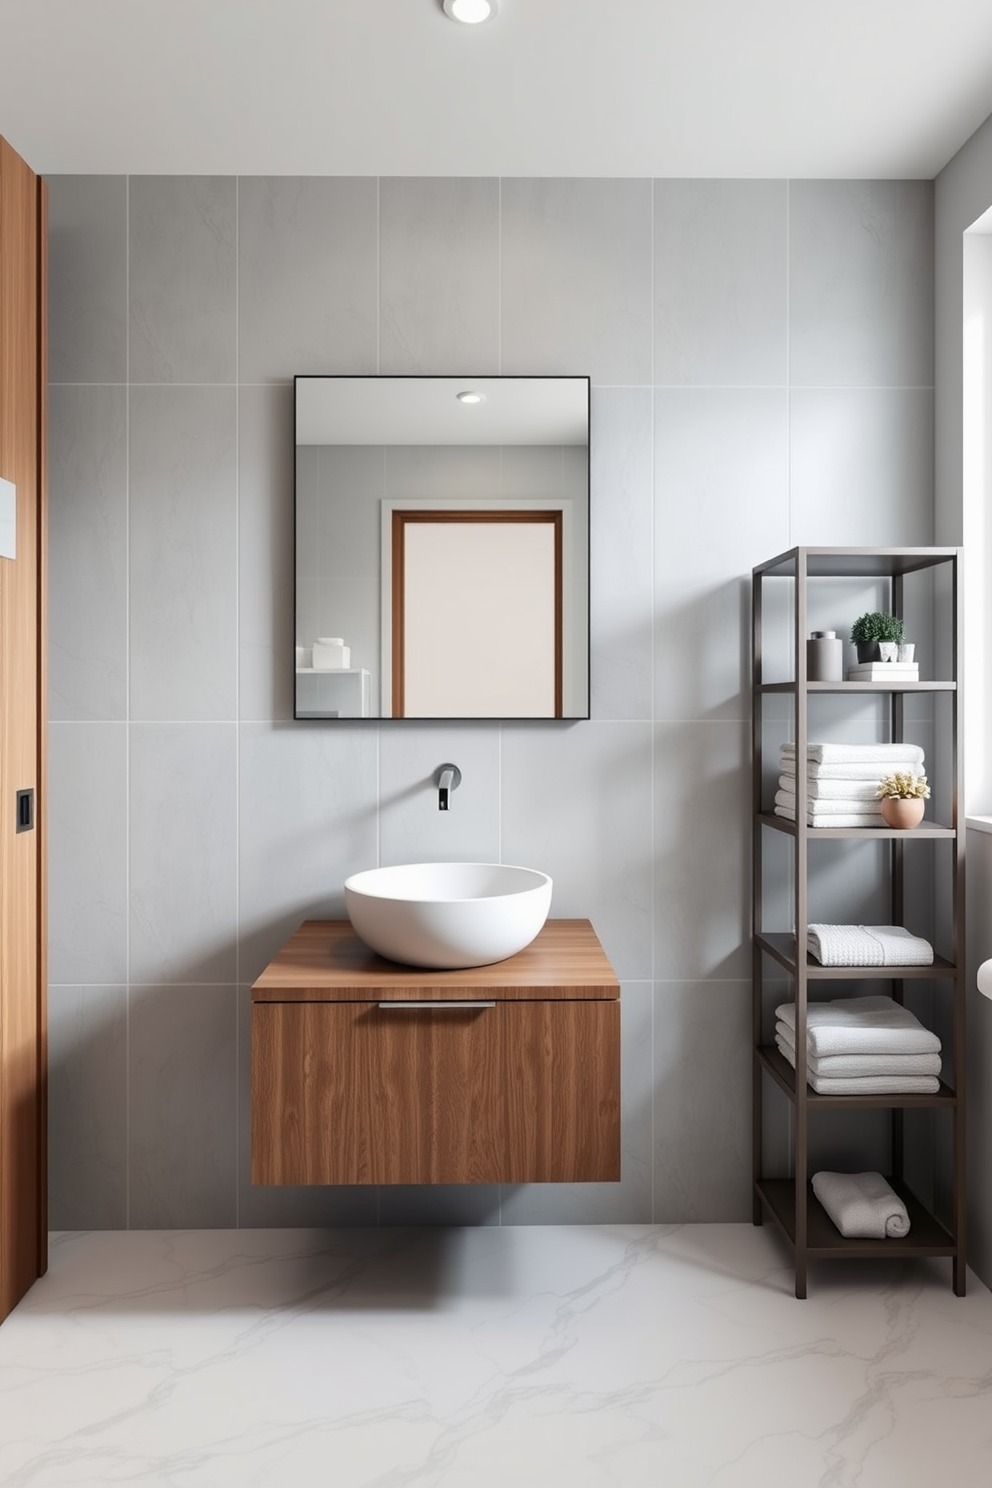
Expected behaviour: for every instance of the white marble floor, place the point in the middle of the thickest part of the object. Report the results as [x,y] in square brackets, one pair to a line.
[581,1357]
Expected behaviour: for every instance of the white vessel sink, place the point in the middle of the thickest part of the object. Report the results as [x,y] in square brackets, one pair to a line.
[448,915]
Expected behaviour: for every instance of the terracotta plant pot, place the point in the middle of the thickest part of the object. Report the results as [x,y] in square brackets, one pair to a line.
[900,811]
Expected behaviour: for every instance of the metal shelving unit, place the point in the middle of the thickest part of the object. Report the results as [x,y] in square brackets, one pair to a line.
[789,1201]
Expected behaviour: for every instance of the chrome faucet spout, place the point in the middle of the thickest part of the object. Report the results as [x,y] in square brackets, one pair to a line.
[447,778]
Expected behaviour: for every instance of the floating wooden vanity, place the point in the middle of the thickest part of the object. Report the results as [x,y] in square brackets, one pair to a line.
[364,1071]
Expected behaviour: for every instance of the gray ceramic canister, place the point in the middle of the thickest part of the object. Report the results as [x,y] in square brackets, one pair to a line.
[824,657]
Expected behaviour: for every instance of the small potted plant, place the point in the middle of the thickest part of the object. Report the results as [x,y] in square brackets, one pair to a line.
[902,795]
[877,636]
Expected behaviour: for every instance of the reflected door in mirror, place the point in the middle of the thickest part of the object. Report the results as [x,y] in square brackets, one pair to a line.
[477,614]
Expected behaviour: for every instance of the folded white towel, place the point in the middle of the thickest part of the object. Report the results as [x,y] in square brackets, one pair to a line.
[867,770]
[867,945]
[849,805]
[832,790]
[844,754]
[835,819]
[851,1066]
[860,1025]
[863,1206]
[877,1084]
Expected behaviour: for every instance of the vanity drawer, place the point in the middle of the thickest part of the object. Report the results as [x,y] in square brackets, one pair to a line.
[504,1092]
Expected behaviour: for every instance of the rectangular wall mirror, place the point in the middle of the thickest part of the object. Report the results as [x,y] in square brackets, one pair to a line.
[442,547]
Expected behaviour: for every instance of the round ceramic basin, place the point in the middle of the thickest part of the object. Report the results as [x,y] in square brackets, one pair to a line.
[447,915]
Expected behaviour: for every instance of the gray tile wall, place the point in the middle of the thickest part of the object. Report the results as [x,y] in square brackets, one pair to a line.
[761,356]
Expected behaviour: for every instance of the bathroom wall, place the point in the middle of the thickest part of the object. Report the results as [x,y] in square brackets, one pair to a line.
[963,193]
[761,356]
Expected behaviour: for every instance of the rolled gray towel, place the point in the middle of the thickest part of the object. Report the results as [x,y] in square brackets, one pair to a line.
[863,1206]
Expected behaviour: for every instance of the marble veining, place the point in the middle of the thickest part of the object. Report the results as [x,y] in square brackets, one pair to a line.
[623,1356]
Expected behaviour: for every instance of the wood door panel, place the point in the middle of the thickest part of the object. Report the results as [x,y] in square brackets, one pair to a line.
[521,1092]
[23,1181]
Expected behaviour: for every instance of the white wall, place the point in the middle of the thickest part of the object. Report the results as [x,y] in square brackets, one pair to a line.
[963,192]
[761,358]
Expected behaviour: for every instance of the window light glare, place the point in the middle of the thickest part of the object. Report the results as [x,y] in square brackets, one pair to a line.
[471,12]
[469,397]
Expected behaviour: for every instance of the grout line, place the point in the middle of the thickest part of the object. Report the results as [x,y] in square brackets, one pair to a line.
[378,274]
[237,701]
[499,275]
[652,538]
[127,700]
[788,360]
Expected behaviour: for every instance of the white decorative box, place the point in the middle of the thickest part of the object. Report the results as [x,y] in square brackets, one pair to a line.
[330,654]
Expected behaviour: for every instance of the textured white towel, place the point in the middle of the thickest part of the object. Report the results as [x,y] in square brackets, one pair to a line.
[831,790]
[860,1025]
[867,945]
[868,770]
[845,754]
[874,1085]
[835,819]
[862,1205]
[849,805]
[851,1066]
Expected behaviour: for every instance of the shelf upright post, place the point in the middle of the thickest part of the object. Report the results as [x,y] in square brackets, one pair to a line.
[801,700]
[757,715]
[958,1197]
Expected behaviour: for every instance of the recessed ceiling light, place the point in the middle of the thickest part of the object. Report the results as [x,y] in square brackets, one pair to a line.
[471,12]
[469,397]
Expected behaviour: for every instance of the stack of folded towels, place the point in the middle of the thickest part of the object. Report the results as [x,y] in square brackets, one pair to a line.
[862,1046]
[841,780]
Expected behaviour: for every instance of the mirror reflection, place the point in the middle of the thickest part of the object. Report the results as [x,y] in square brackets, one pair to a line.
[442,547]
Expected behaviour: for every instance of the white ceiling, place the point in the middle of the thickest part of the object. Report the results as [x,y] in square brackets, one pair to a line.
[855,88]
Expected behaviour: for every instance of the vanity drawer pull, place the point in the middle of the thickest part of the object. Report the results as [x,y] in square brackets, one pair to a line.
[433,1007]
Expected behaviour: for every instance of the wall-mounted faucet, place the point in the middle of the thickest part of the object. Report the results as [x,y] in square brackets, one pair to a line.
[447,778]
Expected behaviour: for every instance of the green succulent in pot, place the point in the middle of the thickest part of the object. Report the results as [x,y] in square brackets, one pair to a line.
[872,629]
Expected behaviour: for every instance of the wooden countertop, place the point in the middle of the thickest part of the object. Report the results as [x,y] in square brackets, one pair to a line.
[324,961]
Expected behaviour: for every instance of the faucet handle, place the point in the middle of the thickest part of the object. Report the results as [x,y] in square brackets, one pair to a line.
[447,778]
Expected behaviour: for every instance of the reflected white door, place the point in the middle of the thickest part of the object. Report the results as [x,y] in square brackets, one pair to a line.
[467,641]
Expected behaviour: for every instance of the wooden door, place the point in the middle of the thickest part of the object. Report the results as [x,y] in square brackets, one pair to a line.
[23,1053]
[513,1092]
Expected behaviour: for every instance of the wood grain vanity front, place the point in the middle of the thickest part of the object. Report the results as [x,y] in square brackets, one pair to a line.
[368,1072]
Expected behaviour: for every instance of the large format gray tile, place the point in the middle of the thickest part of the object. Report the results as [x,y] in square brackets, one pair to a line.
[183,1107]
[702,809]
[87,827]
[621,522]
[87,1108]
[861,283]
[307,819]
[720,278]
[576,278]
[702,1102]
[576,803]
[183,845]
[412,829]
[183,278]
[265,551]
[721,473]
[862,466]
[307,276]
[629,1200]
[87,278]
[721,506]
[183,548]
[439,275]
[87,552]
